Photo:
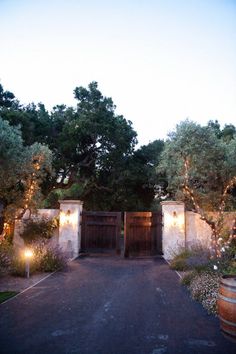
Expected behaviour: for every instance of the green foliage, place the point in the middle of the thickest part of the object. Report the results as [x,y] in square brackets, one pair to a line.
[196,258]
[51,259]
[6,253]
[93,153]
[46,258]
[179,262]
[6,98]
[38,229]
[188,277]
[201,170]
[23,170]
[203,273]
[18,266]
[5,295]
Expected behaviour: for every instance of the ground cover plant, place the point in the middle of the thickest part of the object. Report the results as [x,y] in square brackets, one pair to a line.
[202,272]
[5,295]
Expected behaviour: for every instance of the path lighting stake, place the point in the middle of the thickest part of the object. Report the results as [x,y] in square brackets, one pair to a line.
[28,256]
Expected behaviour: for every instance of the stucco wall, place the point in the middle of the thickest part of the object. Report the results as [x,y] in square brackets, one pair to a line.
[173,233]
[185,228]
[41,213]
[198,232]
[70,229]
[67,235]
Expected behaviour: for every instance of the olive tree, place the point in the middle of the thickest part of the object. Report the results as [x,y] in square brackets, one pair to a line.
[201,170]
[22,170]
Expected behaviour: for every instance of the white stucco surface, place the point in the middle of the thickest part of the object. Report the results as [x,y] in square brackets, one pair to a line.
[173,235]
[186,229]
[69,227]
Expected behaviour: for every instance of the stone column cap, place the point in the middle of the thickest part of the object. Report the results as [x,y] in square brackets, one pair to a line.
[66,201]
[172,202]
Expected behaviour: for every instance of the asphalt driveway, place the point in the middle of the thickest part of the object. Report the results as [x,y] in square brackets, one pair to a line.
[110,305]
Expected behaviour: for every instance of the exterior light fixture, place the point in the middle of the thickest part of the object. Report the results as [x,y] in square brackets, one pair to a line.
[28,255]
[68,213]
[174,217]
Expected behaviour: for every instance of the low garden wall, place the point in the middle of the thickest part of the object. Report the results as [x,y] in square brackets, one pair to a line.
[180,228]
[183,228]
[68,234]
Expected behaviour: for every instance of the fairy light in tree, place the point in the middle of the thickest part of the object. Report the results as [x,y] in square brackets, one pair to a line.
[33,184]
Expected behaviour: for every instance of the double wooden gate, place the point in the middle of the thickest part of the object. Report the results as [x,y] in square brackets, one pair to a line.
[103,230]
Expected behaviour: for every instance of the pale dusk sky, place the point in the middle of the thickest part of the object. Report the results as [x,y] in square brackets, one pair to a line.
[161,61]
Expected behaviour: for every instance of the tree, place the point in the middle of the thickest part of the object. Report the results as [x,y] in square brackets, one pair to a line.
[201,170]
[89,144]
[6,98]
[23,170]
[94,157]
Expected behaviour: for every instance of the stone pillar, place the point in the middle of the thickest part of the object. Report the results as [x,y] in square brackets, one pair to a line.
[69,227]
[173,235]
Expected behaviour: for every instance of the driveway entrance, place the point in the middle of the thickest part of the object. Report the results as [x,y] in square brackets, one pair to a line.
[110,305]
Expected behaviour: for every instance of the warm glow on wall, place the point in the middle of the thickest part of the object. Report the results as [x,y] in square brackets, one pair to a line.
[174,220]
[68,218]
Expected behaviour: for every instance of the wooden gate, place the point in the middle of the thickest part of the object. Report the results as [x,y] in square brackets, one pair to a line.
[100,231]
[143,233]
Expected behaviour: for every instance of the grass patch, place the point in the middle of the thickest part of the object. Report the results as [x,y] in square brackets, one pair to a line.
[4,295]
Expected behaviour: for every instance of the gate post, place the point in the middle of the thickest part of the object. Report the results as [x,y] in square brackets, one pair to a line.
[173,235]
[69,227]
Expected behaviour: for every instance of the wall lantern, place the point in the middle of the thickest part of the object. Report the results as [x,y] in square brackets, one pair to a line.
[174,218]
[68,213]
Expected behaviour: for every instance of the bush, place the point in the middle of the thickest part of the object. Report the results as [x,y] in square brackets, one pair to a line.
[48,258]
[188,277]
[188,259]
[38,229]
[179,262]
[197,260]
[6,254]
[18,265]
[204,288]
[52,259]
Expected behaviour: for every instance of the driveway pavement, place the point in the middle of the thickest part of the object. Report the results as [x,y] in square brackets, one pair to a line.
[106,305]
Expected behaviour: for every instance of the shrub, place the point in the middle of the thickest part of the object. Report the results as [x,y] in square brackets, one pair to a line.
[36,229]
[51,259]
[187,259]
[6,253]
[48,258]
[179,260]
[188,277]
[18,265]
[197,260]
[204,288]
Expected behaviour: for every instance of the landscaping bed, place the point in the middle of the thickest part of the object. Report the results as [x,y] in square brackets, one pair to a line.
[201,273]
[5,295]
